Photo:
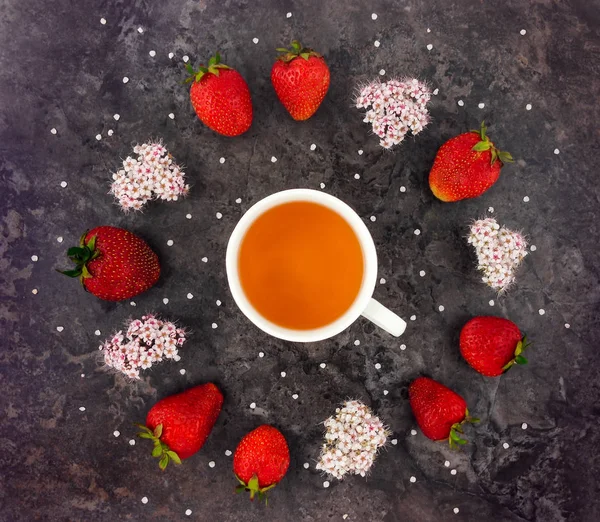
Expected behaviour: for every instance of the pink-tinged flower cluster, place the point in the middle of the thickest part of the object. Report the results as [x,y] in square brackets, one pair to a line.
[394,108]
[499,252]
[352,440]
[151,175]
[146,342]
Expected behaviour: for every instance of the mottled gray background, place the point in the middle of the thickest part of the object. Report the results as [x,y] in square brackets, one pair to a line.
[61,68]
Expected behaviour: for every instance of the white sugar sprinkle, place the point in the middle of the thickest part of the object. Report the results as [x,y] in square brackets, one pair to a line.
[357,343]
[373,218]
[524,426]
[97,332]
[452,472]
[428,30]
[403,189]
[81,408]
[252,405]
[306,465]
[385,392]
[378,366]
[422,273]
[394,442]
[556,151]
[491,210]
[140,30]
[204,259]
[261,354]
[360,152]
[326,484]
[34,291]
[288,15]
[228,453]
[132,442]
[59,239]
[60,328]
[460,103]
[323,365]
[506,445]
[152,53]
[125,79]
[98,137]
[403,347]
[295,396]
[435,92]
[144,500]
[313,146]
[103,21]
[53,130]
[186,58]
[456,510]
[166,300]
[116,433]
[188,216]
[374,16]
[214,326]
[116,116]
[447,463]
[110,132]
[429,47]
[567,325]
[533,248]
[171,115]
[221,160]
[218,302]
[417,231]
[381,72]
[441,308]
[526,199]
[413,317]
[273,159]
[190,296]
[322,185]
[188,512]
[481,105]
[382,281]
[413,432]
[34,258]
[376,43]
[171,56]
[528,107]
[132,303]
[413,479]
[219,215]
[523,32]
[491,303]
[255,40]
[211,464]
[170,242]
[283,374]
[238,200]
[356,176]
[345,516]
[182,371]
[541,311]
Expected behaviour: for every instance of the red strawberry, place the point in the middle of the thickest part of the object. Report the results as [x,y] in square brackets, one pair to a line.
[300,77]
[261,460]
[491,345]
[439,411]
[180,424]
[466,166]
[220,97]
[113,264]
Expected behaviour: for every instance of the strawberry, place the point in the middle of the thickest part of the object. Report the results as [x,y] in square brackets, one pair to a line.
[260,461]
[300,77]
[466,166]
[180,424]
[220,97]
[113,264]
[491,345]
[439,411]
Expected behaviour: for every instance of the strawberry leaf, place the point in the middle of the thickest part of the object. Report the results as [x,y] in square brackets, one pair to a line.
[174,457]
[505,157]
[306,56]
[145,435]
[71,273]
[157,451]
[163,462]
[519,359]
[281,50]
[482,145]
[158,431]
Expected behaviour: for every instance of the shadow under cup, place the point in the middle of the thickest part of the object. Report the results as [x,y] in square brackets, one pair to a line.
[301,265]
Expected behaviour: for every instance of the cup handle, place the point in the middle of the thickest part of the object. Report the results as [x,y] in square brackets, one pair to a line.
[384,318]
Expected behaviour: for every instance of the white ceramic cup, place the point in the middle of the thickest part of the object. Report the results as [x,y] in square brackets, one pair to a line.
[363,304]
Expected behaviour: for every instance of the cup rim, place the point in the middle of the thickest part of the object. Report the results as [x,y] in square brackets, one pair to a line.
[369,258]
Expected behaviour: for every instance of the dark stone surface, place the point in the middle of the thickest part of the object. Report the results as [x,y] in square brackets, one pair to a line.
[62,69]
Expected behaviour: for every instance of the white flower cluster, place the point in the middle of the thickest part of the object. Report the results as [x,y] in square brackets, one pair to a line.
[499,252]
[352,440]
[394,108]
[147,341]
[152,175]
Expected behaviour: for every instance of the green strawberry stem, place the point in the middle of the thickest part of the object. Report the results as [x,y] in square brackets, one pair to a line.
[161,451]
[254,488]
[454,439]
[486,144]
[81,255]
[214,66]
[522,345]
[287,55]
